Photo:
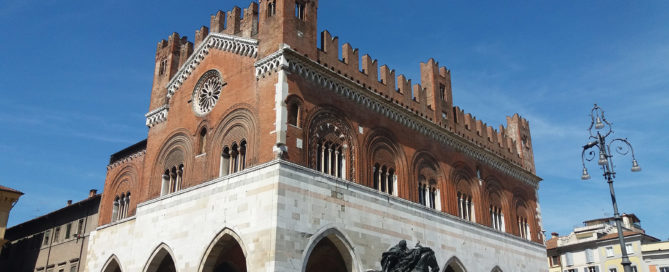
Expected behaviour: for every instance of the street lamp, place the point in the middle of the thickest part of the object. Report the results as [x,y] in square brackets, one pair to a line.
[602,129]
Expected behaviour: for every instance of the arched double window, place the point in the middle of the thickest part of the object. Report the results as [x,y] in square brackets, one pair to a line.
[121,207]
[172,179]
[233,158]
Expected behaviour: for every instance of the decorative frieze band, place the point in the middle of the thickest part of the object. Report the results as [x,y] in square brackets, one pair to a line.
[126,159]
[320,75]
[237,45]
[156,116]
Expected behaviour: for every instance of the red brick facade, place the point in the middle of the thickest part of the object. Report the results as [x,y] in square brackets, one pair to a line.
[361,113]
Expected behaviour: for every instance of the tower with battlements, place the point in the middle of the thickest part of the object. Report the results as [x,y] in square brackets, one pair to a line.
[267,152]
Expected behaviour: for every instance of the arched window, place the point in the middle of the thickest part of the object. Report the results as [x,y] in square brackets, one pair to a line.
[202,141]
[172,179]
[521,221]
[428,194]
[294,114]
[493,191]
[465,206]
[115,209]
[330,159]
[426,170]
[330,145]
[121,207]
[233,158]
[271,8]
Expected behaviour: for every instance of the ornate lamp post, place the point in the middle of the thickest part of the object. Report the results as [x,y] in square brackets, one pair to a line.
[602,129]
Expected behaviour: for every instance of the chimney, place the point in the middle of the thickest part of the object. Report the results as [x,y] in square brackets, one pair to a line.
[554,235]
[69,202]
[92,193]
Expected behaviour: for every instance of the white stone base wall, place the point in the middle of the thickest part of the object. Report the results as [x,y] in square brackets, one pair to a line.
[279,211]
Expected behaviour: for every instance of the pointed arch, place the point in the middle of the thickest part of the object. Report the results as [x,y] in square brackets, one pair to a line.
[319,254]
[112,265]
[173,163]
[234,141]
[226,252]
[496,269]
[384,167]
[161,260]
[427,181]
[467,196]
[454,265]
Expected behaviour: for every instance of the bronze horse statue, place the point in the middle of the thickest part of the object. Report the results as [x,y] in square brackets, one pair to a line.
[401,259]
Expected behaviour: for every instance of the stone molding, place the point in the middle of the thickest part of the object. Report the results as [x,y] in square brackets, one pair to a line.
[126,159]
[279,165]
[157,116]
[293,62]
[237,45]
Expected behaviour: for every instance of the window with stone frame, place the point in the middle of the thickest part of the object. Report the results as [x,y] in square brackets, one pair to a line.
[47,237]
[609,251]
[68,230]
[56,234]
[294,113]
[80,227]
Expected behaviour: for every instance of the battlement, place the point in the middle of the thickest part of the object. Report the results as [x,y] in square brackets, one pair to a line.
[236,22]
[431,98]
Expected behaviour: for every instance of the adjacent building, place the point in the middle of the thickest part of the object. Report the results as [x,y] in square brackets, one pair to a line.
[8,198]
[595,247]
[55,242]
[268,152]
[656,256]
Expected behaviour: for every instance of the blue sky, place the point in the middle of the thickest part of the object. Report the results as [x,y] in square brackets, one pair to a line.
[75,80]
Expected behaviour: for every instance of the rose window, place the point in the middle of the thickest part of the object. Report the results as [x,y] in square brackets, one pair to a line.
[207,91]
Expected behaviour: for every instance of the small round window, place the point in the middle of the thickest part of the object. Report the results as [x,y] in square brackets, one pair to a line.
[207,91]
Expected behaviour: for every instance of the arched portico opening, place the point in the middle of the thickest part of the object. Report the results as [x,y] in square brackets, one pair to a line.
[161,260]
[454,265]
[224,254]
[112,265]
[329,252]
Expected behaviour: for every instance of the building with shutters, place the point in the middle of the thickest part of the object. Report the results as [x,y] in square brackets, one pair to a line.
[595,247]
[54,242]
[656,256]
[268,152]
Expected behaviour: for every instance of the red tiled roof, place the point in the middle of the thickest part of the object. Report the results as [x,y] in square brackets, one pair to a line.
[7,189]
[615,235]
